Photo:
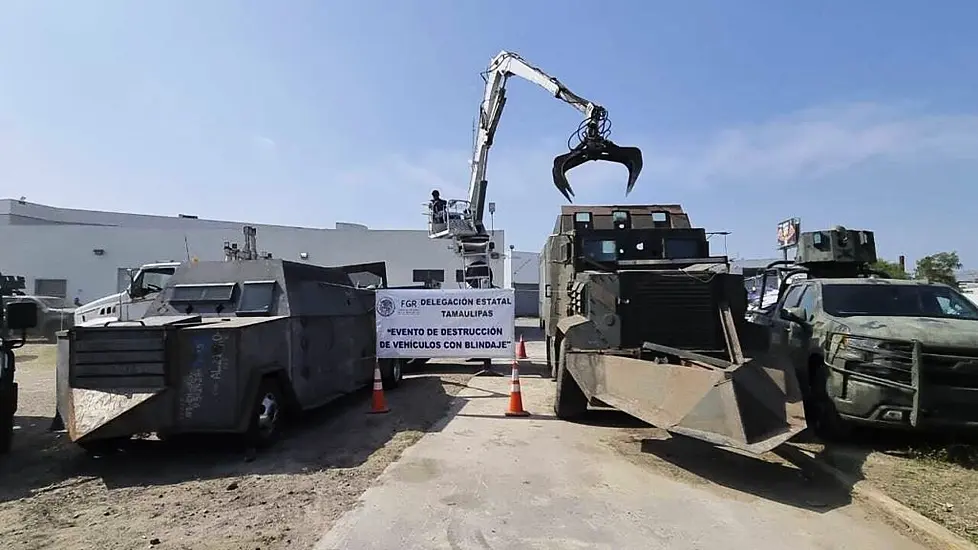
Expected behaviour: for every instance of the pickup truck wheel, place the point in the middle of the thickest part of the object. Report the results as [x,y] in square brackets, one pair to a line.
[569,401]
[266,414]
[825,421]
[392,373]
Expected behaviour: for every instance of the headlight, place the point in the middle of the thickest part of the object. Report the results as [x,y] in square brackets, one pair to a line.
[855,348]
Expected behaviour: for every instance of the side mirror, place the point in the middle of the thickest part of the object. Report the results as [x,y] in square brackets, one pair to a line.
[21,315]
[794,314]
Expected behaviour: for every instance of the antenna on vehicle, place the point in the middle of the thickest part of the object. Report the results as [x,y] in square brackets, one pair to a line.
[186,246]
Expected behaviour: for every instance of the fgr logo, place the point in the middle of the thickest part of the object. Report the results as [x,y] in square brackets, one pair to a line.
[385,307]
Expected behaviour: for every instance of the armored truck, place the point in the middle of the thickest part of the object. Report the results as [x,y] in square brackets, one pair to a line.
[870,350]
[15,320]
[225,347]
[640,317]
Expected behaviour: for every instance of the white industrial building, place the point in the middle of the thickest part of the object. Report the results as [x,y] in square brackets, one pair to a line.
[523,276]
[85,254]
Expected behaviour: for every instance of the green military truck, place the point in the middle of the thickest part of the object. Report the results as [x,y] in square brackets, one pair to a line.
[640,317]
[869,350]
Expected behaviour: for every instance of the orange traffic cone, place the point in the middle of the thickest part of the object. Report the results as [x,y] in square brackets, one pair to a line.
[521,349]
[515,398]
[379,402]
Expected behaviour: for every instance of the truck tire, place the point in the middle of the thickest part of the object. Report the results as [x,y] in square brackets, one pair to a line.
[267,412]
[8,407]
[569,401]
[392,373]
[103,446]
[825,420]
[51,332]
[6,431]
[413,365]
[550,360]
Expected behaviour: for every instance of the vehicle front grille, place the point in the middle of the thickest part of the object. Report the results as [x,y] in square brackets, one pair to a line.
[671,308]
[128,357]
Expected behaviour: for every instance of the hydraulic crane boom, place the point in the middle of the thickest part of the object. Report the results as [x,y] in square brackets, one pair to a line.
[466,224]
[593,132]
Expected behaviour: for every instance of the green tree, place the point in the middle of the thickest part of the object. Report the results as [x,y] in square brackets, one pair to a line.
[892,269]
[939,268]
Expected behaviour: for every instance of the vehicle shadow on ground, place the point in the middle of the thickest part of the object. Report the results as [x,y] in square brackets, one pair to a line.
[768,479]
[765,477]
[850,454]
[339,435]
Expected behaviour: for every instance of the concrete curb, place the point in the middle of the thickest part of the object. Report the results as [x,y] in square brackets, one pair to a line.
[930,529]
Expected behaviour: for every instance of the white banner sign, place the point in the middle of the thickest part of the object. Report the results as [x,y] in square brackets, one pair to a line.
[445,323]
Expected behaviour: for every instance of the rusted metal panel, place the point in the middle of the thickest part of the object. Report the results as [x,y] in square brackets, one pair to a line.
[750,407]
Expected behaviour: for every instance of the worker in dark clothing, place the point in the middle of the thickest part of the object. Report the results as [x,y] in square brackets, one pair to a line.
[438,208]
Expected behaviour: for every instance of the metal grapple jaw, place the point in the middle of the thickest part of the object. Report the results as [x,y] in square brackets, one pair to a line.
[596,149]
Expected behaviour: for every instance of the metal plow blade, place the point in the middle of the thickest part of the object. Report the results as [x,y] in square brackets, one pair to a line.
[596,149]
[750,406]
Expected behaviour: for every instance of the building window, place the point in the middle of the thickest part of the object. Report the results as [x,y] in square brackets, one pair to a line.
[431,278]
[425,275]
[459,275]
[51,287]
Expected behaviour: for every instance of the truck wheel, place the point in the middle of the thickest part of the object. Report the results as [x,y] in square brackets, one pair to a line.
[392,373]
[413,365]
[6,429]
[569,401]
[550,359]
[51,333]
[266,414]
[8,405]
[103,446]
[825,421]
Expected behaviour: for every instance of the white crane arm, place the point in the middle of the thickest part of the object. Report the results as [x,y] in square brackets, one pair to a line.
[504,65]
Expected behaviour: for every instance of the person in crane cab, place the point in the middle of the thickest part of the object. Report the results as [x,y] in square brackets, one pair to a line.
[438,207]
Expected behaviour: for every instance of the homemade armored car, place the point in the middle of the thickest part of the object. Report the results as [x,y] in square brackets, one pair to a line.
[228,347]
[640,317]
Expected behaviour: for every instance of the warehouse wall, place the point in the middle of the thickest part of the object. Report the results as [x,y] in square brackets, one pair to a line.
[68,253]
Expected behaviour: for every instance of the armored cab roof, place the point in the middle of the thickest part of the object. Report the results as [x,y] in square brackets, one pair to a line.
[639,216]
[267,287]
[836,246]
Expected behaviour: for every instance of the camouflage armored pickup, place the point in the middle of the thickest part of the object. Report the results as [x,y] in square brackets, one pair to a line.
[884,352]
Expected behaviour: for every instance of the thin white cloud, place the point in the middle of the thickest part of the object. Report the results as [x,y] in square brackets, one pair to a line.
[807,144]
[264,143]
[821,141]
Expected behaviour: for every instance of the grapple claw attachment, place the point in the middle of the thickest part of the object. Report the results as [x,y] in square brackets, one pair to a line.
[596,149]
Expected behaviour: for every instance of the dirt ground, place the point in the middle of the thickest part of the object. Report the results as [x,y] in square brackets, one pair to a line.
[936,478]
[207,494]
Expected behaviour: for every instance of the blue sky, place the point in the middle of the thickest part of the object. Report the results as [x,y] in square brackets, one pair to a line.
[310,112]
